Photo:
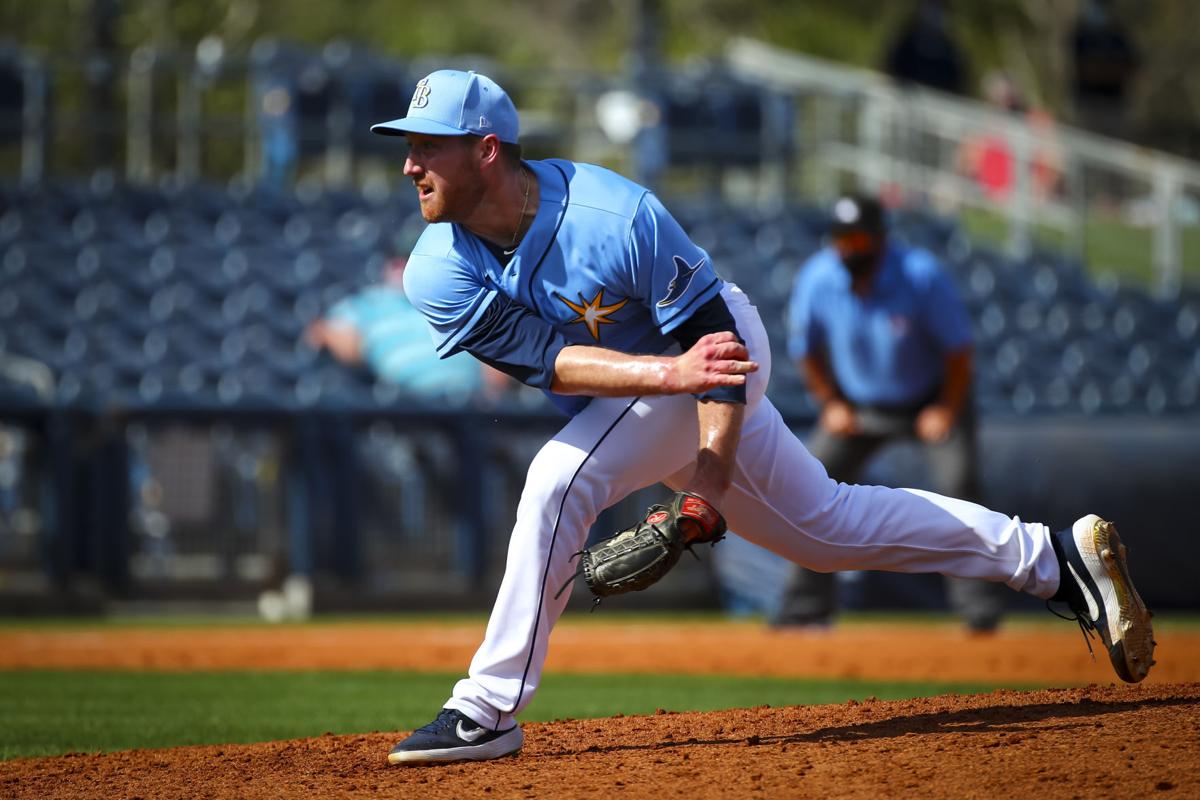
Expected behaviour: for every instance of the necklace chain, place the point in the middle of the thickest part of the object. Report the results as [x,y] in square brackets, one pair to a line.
[512,245]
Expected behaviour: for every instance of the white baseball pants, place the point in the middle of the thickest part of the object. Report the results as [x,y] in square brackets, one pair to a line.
[781,499]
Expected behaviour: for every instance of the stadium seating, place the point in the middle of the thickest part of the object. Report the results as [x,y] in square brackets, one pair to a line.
[197,296]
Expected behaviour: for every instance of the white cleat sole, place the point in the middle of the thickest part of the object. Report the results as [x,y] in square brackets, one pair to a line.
[1128,634]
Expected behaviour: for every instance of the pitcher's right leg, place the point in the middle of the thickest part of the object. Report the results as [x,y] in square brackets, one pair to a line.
[782,499]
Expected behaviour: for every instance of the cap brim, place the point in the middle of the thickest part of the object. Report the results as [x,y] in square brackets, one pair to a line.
[399,127]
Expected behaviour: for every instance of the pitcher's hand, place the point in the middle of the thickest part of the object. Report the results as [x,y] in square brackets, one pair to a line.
[717,359]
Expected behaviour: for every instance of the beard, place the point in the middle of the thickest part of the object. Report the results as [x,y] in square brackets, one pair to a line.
[454,202]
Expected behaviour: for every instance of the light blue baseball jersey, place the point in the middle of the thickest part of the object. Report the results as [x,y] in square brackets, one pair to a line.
[887,347]
[603,263]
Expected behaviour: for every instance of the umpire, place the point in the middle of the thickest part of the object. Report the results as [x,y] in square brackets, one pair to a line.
[884,344]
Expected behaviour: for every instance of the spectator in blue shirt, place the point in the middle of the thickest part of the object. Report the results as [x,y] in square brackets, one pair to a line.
[883,341]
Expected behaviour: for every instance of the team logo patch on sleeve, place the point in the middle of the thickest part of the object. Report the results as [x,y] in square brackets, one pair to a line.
[682,280]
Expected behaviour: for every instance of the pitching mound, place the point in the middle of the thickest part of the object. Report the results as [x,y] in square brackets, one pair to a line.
[1092,742]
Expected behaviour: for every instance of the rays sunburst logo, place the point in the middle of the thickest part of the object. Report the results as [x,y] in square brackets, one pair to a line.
[593,313]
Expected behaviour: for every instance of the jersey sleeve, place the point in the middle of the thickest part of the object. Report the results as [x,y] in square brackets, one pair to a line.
[670,273]
[464,313]
[514,340]
[804,332]
[450,296]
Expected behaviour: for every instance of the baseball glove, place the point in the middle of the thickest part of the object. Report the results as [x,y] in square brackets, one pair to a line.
[639,556]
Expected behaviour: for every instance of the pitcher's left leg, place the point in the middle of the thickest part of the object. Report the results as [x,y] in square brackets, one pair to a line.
[611,449]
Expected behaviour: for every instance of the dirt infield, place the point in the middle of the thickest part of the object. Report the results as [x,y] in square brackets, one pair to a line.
[1035,654]
[1099,740]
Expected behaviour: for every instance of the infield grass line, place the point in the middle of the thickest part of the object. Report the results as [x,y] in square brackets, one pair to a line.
[50,712]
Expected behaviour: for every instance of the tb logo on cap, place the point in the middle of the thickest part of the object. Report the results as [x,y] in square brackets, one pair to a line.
[420,97]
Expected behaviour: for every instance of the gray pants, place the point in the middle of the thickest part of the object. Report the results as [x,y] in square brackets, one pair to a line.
[811,597]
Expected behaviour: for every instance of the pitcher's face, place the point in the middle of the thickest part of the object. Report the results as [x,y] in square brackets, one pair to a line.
[446,175]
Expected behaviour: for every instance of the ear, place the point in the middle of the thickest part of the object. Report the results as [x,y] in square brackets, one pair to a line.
[489,150]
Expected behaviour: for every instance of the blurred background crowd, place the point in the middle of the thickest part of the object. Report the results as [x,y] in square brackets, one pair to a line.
[212,390]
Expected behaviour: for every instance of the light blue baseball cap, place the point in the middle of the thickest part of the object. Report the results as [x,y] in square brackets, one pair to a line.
[450,102]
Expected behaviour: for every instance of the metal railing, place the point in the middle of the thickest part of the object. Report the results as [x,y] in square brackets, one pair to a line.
[1123,210]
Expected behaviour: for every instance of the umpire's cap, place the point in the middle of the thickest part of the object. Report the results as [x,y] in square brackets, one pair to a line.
[857,214]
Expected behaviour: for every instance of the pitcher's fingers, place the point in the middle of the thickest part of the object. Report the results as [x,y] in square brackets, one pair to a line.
[737,367]
[731,351]
[725,379]
[721,337]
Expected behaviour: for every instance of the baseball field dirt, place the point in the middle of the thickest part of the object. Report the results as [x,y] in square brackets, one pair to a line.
[1095,740]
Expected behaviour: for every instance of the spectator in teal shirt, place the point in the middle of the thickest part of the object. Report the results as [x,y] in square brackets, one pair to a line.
[379,327]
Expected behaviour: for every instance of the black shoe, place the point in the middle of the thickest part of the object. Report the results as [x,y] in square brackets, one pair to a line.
[454,736]
[1094,581]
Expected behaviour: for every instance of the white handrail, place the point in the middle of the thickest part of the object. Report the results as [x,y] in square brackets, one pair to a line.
[892,118]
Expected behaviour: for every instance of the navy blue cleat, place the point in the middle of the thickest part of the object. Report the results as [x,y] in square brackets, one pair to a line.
[1095,583]
[453,736]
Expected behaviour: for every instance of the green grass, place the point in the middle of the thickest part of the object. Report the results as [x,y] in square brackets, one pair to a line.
[48,712]
[45,712]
